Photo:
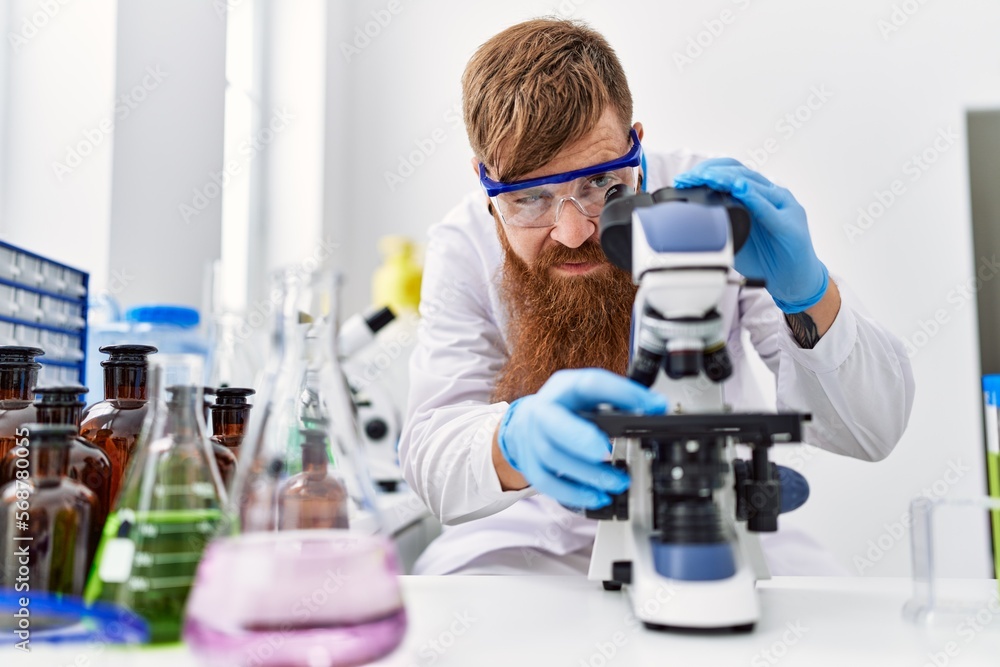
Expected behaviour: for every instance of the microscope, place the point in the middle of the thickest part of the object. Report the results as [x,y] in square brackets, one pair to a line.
[378,416]
[681,540]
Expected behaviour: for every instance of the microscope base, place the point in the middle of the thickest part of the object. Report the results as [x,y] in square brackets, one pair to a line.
[721,605]
[663,603]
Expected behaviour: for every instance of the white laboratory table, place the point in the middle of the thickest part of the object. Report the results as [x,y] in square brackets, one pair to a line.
[551,621]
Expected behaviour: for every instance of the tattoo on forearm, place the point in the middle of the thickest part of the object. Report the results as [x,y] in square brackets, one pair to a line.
[804,330]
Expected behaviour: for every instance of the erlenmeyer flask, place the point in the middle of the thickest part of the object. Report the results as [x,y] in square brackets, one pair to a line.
[305,510]
[169,507]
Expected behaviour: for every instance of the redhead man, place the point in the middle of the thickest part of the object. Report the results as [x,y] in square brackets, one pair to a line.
[525,323]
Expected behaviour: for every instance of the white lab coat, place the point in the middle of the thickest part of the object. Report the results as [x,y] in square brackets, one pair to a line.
[856,382]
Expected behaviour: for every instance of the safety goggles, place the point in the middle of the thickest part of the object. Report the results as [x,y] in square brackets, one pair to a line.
[537,202]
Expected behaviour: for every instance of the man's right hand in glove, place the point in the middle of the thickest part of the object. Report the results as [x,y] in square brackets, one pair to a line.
[543,441]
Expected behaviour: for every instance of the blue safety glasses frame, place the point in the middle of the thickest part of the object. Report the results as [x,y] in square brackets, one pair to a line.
[633,158]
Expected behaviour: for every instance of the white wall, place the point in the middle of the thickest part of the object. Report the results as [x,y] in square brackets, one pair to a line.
[59,94]
[112,119]
[166,212]
[890,97]
[293,97]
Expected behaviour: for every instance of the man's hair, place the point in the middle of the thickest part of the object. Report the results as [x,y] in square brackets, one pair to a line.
[537,87]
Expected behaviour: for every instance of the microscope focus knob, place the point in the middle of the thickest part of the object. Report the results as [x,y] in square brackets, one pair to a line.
[618,508]
[376,428]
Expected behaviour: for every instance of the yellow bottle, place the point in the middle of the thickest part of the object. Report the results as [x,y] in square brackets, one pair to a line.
[396,282]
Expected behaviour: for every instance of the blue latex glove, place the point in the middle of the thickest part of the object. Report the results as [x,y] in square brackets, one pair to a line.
[558,452]
[778,249]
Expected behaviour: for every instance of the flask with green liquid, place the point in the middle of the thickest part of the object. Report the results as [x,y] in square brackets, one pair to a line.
[169,507]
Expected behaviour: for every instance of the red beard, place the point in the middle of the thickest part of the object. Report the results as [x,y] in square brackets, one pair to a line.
[557,322]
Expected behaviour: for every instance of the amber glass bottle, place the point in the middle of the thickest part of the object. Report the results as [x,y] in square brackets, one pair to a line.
[313,498]
[230,415]
[224,458]
[114,423]
[46,518]
[87,464]
[18,375]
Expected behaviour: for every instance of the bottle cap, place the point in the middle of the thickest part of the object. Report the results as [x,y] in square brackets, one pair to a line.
[66,396]
[19,353]
[234,396]
[50,435]
[991,388]
[127,354]
[180,316]
[19,356]
[69,391]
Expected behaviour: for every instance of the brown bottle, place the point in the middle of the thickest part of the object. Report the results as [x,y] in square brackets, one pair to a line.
[114,423]
[313,498]
[230,414]
[225,460]
[87,464]
[18,375]
[46,519]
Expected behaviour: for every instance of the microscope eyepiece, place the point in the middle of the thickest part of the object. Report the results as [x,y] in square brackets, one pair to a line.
[617,192]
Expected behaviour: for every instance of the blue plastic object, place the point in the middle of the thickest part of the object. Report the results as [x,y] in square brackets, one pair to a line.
[694,562]
[794,489]
[51,618]
[991,388]
[633,158]
[180,316]
[44,304]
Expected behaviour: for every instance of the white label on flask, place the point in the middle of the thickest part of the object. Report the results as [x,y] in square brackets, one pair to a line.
[116,560]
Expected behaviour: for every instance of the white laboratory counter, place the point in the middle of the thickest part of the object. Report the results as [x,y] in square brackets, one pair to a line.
[549,621]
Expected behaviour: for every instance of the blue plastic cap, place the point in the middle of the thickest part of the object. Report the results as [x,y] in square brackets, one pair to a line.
[991,387]
[180,316]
